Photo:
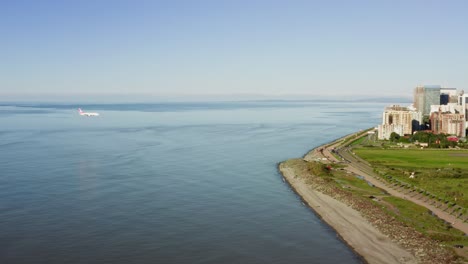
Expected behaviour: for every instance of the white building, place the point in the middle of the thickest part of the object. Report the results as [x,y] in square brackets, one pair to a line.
[386,130]
[400,120]
[448,108]
[463,102]
[448,95]
[448,91]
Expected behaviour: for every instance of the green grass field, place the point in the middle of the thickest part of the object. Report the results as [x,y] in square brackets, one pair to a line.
[416,158]
[443,173]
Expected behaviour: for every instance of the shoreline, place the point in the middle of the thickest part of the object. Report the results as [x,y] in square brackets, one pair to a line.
[365,240]
[378,239]
[340,237]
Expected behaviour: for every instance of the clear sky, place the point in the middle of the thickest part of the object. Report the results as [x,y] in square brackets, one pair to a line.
[197,47]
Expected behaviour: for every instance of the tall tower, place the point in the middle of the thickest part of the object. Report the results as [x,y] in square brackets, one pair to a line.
[418,100]
[425,96]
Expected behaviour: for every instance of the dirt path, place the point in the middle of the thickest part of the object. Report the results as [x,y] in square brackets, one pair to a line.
[360,167]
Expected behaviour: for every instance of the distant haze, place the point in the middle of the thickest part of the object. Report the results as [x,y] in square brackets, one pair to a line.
[194,50]
[148,98]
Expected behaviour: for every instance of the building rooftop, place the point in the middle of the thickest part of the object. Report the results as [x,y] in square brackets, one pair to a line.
[396,108]
[432,86]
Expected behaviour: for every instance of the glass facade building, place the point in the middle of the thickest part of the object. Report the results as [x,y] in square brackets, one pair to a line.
[424,97]
[431,97]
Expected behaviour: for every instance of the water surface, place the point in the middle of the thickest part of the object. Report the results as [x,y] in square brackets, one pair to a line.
[165,183]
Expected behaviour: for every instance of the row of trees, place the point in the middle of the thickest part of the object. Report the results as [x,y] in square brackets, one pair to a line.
[434,140]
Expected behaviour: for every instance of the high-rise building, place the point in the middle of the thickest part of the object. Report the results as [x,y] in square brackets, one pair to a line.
[431,97]
[448,95]
[448,111]
[418,101]
[425,96]
[400,120]
[448,108]
[448,123]
[463,103]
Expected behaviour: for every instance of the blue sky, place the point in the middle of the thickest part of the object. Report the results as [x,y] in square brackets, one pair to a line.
[200,48]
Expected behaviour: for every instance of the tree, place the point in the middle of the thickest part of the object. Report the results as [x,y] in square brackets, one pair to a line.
[394,137]
[426,122]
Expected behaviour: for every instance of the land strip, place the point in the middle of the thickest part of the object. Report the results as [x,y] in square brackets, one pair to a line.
[360,233]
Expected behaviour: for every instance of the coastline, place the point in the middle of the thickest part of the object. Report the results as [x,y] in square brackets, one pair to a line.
[376,237]
[355,230]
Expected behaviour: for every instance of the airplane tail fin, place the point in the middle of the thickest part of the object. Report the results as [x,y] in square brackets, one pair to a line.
[79,110]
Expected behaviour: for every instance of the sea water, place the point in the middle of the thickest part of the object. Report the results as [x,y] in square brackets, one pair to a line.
[165,182]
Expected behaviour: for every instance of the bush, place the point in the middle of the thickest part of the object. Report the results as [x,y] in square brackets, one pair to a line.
[319,169]
[394,137]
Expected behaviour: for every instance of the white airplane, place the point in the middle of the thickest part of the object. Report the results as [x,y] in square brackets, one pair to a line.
[87,113]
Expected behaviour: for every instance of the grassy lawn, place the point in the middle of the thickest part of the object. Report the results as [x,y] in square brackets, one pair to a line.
[416,158]
[441,172]
[358,141]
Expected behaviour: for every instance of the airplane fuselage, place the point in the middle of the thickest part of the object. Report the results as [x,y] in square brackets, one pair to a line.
[89,114]
[86,113]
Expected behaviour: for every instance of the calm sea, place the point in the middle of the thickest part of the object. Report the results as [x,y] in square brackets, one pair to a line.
[165,183]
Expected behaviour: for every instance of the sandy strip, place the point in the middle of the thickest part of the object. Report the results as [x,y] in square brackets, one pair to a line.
[355,230]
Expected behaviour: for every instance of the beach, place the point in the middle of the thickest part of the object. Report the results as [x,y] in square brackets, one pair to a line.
[354,229]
